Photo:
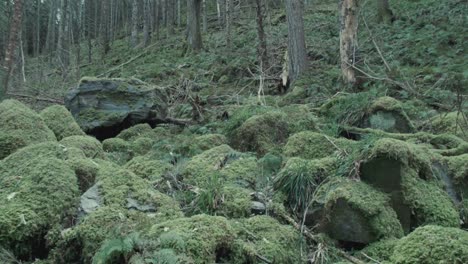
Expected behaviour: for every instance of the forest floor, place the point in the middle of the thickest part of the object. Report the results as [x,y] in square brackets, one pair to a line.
[320,173]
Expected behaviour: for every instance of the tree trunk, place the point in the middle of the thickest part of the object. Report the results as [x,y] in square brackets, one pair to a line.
[205,23]
[296,40]
[385,13]
[348,39]
[15,28]
[194,38]
[262,44]
[105,36]
[146,23]
[228,23]
[170,17]
[134,37]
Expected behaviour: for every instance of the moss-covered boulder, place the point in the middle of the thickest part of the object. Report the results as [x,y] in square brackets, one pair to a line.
[38,194]
[104,107]
[85,170]
[432,244]
[354,212]
[381,250]
[261,133]
[299,118]
[208,239]
[91,147]
[313,145]
[19,127]
[264,236]
[134,132]
[61,122]
[453,122]
[387,114]
[148,168]
[232,166]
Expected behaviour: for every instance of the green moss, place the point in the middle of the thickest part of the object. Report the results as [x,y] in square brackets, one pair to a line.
[233,167]
[135,132]
[312,145]
[432,244]
[61,122]
[115,145]
[91,147]
[386,103]
[261,133]
[381,250]
[265,236]
[299,178]
[36,194]
[370,203]
[205,142]
[85,171]
[299,118]
[204,236]
[458,168]
[240,115]
[148,168]
[453,122]
[429,203]
[141,146]
[236,202]
[19,127]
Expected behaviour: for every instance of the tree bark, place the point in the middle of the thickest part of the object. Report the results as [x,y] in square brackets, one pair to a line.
[296,40]
[15,28]
[194,38]
[228,22]
[262,44]
[105,36]
[134,36]
[348,39]
[146,23]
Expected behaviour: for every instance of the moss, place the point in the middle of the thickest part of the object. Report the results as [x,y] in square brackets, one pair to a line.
[115,145]
[458,168]
[206,237]
[232,166]
[381,250]
[19,127]
[205,142]
[240,115]
[91,147]
[432,244]
[261,133]
[265,236]
[236,202]
[270,164]
[141,146]
[148,168]
[85,171]
[371,204]
[88,118]
[312,145]
[61,122]
[135,132]
[296,95]
[299,118]
[299,178]
[386,103]
[36,194]
[453,122]
[429,203]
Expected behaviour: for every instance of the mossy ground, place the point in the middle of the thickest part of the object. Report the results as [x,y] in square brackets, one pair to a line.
[298,155]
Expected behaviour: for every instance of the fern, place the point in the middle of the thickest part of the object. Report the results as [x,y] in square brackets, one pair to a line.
[117,248]
[7,257]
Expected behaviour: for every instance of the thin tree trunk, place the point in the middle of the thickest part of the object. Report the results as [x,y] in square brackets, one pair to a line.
[296,40]
[15,28]
[262,44]
[170,17]
[105,36]
[194,38]
[134,37]
[38,29]
[205,23]
[146,23]
[348,39]
[228,23]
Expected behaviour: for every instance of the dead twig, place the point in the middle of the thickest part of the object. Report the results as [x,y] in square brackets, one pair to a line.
[50,100]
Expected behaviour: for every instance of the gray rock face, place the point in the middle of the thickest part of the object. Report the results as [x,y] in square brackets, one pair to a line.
[90,201]
[104,107]
[389,121]
[258,208]
[133,204]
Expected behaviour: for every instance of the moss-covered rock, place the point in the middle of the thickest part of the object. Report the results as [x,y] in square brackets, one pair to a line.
[458,169]
[387,114]
[91,147]
[61,122]
[381,250]
[236,202]
[135,132]
[356,212]
[313,145]
[19,127]
[233,167]
[141,146]
[261,133]
[148,168]
[453,122]
[299,118]
[37,193]
[265,236]
[115,145]
[208,239]
[432,244]
[85,170]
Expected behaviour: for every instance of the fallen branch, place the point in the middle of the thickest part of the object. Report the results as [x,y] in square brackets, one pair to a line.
[50,100]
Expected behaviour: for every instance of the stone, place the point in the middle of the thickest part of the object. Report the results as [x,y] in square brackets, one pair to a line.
[104,107]
[258,208]
[90,201]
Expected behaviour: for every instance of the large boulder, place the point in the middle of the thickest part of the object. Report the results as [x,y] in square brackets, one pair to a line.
[104,107]
[387,114]
[61,122]
[20,127]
